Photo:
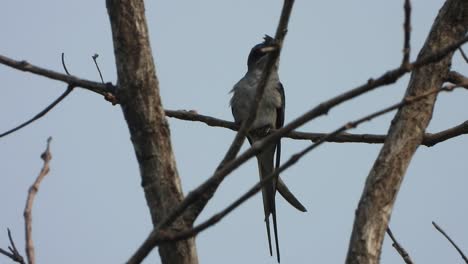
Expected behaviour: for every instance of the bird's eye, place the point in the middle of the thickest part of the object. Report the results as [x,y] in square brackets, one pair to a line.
[255,55]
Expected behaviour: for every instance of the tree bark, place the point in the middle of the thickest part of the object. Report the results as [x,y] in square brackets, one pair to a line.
[138,93]
[405,135]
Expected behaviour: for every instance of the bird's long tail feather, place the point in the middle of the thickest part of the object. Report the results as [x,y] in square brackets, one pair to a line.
[265,165]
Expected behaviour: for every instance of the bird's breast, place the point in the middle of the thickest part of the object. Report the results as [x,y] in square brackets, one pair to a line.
[244,93]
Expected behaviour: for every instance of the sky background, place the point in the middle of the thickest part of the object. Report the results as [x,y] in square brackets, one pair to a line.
[91,208]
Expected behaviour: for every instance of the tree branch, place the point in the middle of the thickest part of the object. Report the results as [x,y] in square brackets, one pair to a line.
[13,254]
[403,253]
[95,56]
[457,79]
[46,156]
[450,240]
[407,33]
[430,139]
[103,89]
[40,114]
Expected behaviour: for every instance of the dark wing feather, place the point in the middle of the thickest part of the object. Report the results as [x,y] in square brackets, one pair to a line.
[280,122]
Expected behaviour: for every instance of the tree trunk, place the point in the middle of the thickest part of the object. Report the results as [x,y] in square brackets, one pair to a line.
[405,135]
[138,94]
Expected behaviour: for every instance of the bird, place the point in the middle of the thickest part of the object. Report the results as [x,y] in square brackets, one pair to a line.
[270,115]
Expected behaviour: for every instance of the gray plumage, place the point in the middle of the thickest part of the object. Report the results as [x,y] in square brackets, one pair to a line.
[270,115]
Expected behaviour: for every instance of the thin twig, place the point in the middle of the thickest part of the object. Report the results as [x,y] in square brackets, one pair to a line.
[207,188]
[14,253]
[40,114]
[429,140]
[451,241]
[403,253]
[407,33]
[95,56]
[46,157]
[64,65]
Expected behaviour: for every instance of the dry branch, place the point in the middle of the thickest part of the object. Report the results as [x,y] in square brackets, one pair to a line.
[14,253]
[407,33]
[95,56]
[40,114]
[451,241]
[403,253]
[96,87]
[457,79]
[46,156]
[430,139]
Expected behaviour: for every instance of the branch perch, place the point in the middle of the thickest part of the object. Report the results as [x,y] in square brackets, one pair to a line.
[430,139]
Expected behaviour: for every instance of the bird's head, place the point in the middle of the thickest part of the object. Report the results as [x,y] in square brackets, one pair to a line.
[259,51]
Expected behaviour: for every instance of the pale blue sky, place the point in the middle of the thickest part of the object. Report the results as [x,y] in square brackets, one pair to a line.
[91,209]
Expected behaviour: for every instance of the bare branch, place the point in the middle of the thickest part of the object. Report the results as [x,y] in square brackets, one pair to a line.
[450,240]
[457,79]
[406,257]
[13,254]
[194,116]
[40,114]
[103,89]
[407,29]
[64,65]
[46,156]
[430,139]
